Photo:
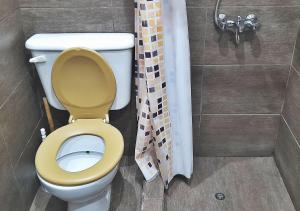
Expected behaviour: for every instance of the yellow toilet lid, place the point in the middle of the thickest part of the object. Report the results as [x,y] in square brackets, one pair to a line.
[46,156]
[84,83]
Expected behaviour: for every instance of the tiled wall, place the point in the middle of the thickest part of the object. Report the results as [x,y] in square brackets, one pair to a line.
[287,153]
[20,115]
[77,16]
[238,92]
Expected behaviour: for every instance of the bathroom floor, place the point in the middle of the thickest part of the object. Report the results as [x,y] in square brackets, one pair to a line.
[248,183]
[126,191]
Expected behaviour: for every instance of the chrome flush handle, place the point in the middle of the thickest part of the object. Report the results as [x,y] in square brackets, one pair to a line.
[38,59]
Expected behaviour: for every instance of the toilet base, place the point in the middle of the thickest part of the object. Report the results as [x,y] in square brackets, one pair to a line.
[99,203]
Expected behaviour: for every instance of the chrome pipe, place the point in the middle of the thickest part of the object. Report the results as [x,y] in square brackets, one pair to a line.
[216,12]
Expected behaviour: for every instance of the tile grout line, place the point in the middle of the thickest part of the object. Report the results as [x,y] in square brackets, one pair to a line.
[29,139]
[285,89]
[201,100]
[6,15]
[246,114]
[239,6]
[294,45]
[202,74]
[236,65]
[294,137]
[205,34]
[63,7]
[146,194]
[36,199]
[28,142]
[13,92]
[11,166]
[277,135]
[291,69]
[294,68]
[6,148]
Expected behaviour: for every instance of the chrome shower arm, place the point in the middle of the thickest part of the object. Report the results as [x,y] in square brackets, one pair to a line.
[216,12]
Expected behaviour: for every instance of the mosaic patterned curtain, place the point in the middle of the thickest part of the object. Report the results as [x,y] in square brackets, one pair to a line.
[153,152]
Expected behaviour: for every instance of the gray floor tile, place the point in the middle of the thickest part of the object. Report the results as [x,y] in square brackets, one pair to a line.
[248,184]
[152,205]
[153,189]
[40,201]
[127,187]
[44,201]
[56,204]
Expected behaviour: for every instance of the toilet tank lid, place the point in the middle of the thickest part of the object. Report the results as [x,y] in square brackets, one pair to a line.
[94,41]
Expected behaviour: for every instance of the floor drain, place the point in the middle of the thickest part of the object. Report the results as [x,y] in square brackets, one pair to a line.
[220,196]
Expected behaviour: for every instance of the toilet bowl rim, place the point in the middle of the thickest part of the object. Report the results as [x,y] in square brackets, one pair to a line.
[46,162]
[76,187]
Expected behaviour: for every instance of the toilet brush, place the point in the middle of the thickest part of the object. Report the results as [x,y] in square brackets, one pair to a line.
[48,114]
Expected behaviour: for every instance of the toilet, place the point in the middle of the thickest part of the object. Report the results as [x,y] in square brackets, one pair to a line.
[88,75]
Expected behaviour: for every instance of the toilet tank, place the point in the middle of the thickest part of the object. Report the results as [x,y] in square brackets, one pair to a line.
[116,48]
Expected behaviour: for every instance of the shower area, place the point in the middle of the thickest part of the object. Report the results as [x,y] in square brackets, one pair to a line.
[245,108]
[245,93]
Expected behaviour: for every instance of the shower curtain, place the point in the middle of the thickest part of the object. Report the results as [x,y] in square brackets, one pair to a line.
[163,98]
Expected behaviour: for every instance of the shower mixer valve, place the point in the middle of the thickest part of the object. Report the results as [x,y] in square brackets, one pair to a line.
[240,25]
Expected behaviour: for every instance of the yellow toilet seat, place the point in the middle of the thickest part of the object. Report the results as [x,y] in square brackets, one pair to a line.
[46,161]
[85,84]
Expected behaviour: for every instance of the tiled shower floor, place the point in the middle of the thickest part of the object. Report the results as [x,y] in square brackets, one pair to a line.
[249,184]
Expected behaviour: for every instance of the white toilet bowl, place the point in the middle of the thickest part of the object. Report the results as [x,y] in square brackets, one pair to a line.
[76,154]
[77,162]
[92,196]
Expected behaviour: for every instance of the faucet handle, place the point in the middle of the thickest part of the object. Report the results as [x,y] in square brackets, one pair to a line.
[230,24]
[222,19]
[222,16]
[255,25]
[251,17]
[252,22]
